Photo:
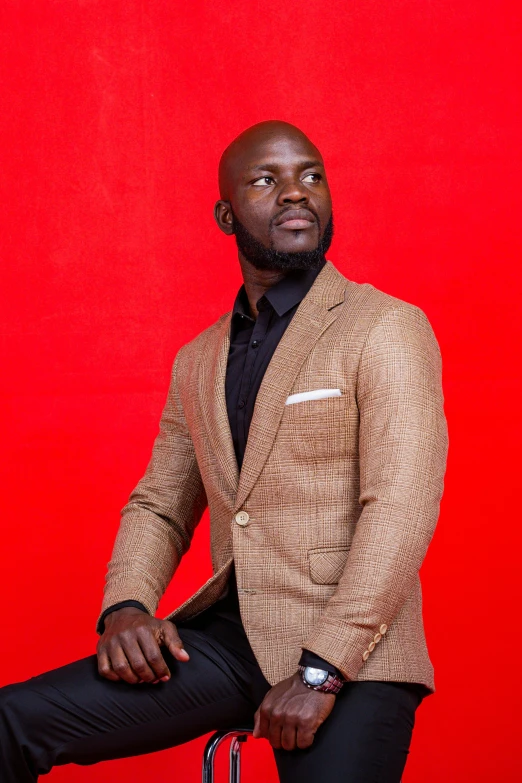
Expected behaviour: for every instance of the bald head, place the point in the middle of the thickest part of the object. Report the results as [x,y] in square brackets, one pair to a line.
[253,144]
[275,197]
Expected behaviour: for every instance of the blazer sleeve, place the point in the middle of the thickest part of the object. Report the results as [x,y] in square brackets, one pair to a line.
[159,520]
[403,446]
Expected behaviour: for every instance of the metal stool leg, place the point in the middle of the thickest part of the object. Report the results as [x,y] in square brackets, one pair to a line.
[235,758]
[237,736]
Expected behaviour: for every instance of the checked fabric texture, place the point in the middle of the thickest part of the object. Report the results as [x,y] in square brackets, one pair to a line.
[341,494]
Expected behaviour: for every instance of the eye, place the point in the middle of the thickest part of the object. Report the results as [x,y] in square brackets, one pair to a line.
[263,181]
[313,177]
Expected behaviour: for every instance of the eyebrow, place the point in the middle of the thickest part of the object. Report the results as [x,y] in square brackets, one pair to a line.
[305,164]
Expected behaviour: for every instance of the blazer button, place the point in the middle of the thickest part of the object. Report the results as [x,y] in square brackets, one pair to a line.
[366,655]
[242,518]
[371,646]
[383,628]
[377,637]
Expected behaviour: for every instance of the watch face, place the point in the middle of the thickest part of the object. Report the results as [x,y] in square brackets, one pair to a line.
[315,676]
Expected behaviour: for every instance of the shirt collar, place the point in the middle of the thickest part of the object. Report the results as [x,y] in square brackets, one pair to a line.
[282,296]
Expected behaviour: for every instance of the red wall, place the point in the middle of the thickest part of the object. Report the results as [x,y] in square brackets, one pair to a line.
[113,118]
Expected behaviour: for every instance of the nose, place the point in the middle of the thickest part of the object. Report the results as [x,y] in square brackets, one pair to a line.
[293,192]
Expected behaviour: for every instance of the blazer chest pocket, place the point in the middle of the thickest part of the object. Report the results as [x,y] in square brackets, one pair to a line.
[327,564]
[319,429]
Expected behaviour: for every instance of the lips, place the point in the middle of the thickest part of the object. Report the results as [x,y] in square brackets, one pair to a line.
[295,219]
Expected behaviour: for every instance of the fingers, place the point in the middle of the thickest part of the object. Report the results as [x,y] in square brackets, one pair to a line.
[279,729]
[275,729]
[105,668]
[172,641]
[154,659]
[256,732]
[130,650]
[133,656]
[120,665]
[144,660]
[304,737]
[288,735]
[262,722]
[290,714]
[284,731]
[284,725]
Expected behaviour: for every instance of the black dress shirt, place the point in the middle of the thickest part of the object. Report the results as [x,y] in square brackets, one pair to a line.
[252,344]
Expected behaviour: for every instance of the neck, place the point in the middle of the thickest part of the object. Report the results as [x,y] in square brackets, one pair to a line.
[258,281]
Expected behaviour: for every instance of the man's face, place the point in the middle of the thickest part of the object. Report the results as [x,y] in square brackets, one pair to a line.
[279,201]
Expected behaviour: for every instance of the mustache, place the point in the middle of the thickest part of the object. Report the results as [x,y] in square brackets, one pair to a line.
[266,257]
[293,206]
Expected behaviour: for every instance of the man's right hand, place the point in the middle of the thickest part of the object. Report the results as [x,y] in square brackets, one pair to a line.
[129,648]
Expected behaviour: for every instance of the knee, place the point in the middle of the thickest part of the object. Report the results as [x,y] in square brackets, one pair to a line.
[20,745]
[11,702]
[24,716]
[7,698]
[19,706]
[10,723]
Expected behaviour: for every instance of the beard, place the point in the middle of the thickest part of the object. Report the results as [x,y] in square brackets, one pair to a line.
[262,257]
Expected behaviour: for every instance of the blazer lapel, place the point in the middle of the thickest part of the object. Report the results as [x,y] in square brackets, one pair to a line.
[313,316]
[212,371]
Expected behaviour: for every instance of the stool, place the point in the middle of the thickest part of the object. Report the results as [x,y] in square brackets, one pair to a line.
[237,736]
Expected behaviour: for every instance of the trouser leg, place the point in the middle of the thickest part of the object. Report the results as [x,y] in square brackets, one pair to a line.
[73,715]
[365,739]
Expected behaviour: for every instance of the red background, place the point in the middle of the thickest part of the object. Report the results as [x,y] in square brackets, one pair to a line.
[114,115]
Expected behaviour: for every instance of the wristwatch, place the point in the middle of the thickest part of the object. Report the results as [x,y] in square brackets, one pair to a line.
[320,679]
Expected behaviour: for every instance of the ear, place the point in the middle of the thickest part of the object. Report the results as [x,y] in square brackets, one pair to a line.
[223,216]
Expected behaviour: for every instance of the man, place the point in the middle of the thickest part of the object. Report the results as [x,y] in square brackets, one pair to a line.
[323,498]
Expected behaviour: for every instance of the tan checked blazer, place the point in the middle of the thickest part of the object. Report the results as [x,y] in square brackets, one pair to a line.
[330,519]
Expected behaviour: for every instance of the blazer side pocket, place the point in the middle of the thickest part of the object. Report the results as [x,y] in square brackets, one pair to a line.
[327,564]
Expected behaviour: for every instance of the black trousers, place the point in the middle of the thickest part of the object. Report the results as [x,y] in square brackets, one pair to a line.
[72,715]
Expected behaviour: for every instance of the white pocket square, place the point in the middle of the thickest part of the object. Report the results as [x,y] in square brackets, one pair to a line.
[316,394]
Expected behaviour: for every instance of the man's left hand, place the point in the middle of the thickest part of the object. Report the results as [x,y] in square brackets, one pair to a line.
[291,713]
